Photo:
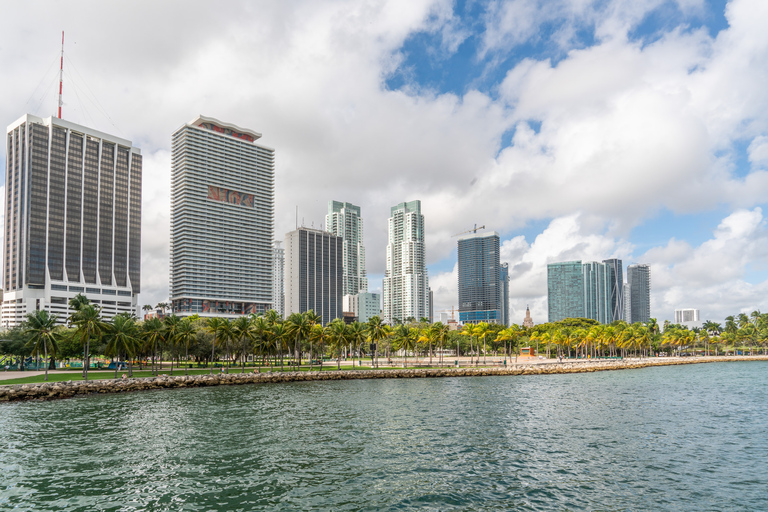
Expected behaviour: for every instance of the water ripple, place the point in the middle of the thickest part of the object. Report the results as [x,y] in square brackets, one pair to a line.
[669,438]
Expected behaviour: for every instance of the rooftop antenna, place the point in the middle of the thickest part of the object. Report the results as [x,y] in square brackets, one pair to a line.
[61,73]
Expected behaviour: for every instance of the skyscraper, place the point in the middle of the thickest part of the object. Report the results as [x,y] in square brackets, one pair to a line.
[72,219]
[598,284]
[222,220]
[505,293]
[480,286]
[344,220]
[565,290]
[313,273]
[278,278]
[617,289]
[406,284]
[639,280]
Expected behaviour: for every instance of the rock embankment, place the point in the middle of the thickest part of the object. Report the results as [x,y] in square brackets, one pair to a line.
[56,390]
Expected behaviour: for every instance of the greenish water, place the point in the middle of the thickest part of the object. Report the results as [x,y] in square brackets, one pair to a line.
[671,438]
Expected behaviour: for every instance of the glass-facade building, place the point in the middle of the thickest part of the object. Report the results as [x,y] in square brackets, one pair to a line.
[406,283]
[222,220]
[617,288]
[344,220]
[480,281]
[565,291]
[72,219]
[598,284]
[639,281]
[313,273]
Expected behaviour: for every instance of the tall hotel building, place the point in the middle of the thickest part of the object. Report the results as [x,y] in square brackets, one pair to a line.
[406,284]
[313,273]
[222,220]
[344,220]
[480,281]
[72,220]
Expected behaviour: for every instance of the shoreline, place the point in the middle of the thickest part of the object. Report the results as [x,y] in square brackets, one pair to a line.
[71,389]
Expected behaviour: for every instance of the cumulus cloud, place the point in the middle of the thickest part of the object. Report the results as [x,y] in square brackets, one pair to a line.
[615,130]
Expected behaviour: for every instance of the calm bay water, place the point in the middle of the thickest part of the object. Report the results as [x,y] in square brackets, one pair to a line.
[671,438]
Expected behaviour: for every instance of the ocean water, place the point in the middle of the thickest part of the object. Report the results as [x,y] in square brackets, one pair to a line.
[691,437]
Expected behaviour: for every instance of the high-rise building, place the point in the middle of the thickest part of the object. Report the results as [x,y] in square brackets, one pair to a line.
[598,283]
[617,289]
[431,306]
[688,317]
[72,219]
[627,302]
[363,305]
[565,291]
[222,220]
[406,283]
[639,280]
[480,290]
[504,293]
[313,273]
[343,220]
[278,278]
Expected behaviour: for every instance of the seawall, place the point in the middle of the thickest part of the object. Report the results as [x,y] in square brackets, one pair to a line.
[58,390]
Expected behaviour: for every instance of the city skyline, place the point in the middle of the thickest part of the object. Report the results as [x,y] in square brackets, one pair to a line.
[582,131]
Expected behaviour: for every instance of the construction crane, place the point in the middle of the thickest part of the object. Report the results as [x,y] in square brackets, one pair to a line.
[469,230]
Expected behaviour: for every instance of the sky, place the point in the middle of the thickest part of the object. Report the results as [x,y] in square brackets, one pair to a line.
[577,129]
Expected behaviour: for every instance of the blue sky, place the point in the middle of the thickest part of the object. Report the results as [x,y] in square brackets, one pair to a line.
[577,129]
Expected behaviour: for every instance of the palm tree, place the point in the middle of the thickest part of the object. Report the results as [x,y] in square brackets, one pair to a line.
[42,332]
[313,319]
[469,330]
[185,335]
[244,329]
[226,334]
[405,340]
[89,325]
[482,329]
[121,334]
[339,338]
[153,331]
[377,330]
[357,336]
[298,328]
[172,324]
[319,334]
[280,337]
[214,326]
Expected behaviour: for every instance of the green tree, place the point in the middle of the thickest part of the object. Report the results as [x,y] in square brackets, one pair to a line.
[122,338]
[43,333]
[186,336]
[298,327]
[90,326]
[339,337]
[377,330]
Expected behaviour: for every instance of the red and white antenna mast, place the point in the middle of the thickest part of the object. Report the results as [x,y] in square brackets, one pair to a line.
[61,73]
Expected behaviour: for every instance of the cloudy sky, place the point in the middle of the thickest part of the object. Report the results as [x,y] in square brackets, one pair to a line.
[577,129]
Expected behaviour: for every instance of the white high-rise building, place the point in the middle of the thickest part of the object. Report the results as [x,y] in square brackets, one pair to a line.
[222,220]
[406,284]
[72,220]
[278,278]
[688,317]
[343,220]
[639,281]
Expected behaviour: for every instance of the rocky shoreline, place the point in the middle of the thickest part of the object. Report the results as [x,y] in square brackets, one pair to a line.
[69,389]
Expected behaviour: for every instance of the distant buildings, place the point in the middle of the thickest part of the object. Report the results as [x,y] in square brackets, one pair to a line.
[639,295]
[343,220]
[278,278]
[72,220]
[406,284]
[313,273]
[595,290]
[364,305]
[481,291]
[565,291]
[688,317]
[222,217]
[527,321]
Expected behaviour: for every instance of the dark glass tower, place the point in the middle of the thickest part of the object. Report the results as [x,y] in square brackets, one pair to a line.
[72,219]
[480,284]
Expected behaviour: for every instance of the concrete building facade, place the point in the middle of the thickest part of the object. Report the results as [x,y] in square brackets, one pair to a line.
[72,220]
[222,220]
[406,283]
[639,280]
[344,220]
[278,278]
